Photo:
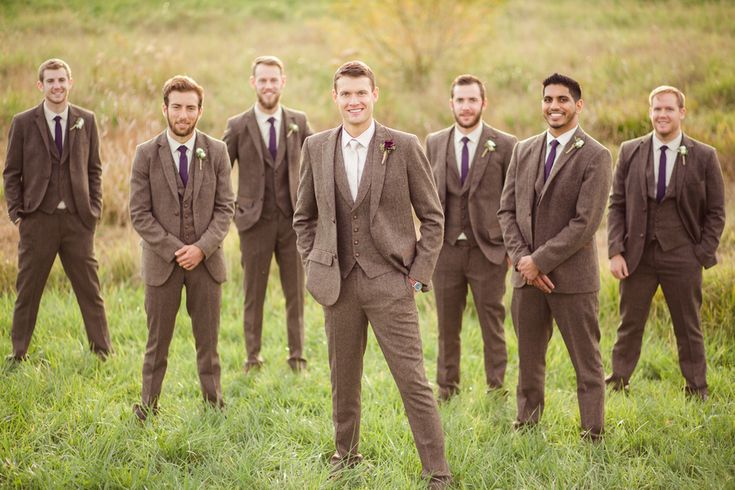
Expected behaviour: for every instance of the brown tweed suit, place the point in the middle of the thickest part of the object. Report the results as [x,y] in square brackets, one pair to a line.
[666,248]
[266,197]
[36,178]
[555,223]
[167,216]
[357,257]
[479,260]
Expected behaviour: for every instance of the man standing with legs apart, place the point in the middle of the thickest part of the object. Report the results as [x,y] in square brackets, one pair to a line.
[53,186]
[266,141]
[181,204]
[552,204]
[469,161]
[359,183]
[667,213]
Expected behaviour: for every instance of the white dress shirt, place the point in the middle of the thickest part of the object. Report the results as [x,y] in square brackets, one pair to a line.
[174,146]
[265,127]
[563,140]
[355,158]
[671,154]
[474,140]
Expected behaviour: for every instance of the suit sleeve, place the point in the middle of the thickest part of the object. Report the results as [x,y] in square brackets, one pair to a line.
[231,140]
[224,203]
[307,212]
[13,172]
[428,209]
[94,171]
[616,208]
[144,222]
[714,215]
[307,131]
[515,244]
[590,207]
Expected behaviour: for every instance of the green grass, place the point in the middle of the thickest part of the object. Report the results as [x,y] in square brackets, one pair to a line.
[67,421]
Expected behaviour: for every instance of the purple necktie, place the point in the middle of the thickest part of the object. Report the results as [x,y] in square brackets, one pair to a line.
[550,159]
[465,168]
[272,148]
[661,184]
[57,135]
[183,165]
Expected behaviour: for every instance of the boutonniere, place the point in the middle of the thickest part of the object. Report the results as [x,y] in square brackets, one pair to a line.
[386,147]
[201,155]
[489,146]
[683,151]
[578,143]
[292,128]
[78,124]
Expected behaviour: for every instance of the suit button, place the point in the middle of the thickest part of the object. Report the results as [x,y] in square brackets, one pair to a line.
[176,213]
[641,235]
[356,242]
[356,230]
[354,216]
[357,254]
[333,220]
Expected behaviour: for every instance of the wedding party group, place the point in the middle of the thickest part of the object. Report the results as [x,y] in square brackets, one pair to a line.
[364,217]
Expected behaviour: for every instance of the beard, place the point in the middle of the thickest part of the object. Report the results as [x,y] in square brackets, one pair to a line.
[268,105]
[182,133]
[471,124]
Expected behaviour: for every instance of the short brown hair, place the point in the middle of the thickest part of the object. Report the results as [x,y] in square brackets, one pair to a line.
[53,64]
[467,79]
[354,69]
[182,83]
[668,89]
[267,60]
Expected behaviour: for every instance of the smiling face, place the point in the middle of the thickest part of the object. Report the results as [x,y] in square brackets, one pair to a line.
[55,85]
[355,99]
[666,116]
[268,81]
[182,114]
[560,109]
[467,105]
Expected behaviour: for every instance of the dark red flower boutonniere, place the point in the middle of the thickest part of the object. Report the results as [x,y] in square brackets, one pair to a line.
[386,147]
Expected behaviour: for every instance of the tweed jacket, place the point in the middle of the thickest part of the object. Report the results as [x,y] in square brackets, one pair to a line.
[28,164]
[555,222]
[245,144]
[401,181]
[155,207]
[486,184]
[700,199]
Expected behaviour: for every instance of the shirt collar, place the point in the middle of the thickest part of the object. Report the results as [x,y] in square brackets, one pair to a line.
[563,138]
[50,115]
[174,144]
[363,139]
[474,136]
[262,117]
[671,145]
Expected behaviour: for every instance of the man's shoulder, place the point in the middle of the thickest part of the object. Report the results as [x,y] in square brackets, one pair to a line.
[27,114]
[321,136]
[438,135]
[210,141]
[530,141]
[700,146]
[151,145]
[294,113]
[86,113]
[501,136]
[399,137]
[239,120]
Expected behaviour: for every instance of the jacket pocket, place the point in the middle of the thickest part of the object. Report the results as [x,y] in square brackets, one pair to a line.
[321,257]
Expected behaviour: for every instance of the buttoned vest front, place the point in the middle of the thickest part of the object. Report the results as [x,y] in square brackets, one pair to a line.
[276,195]
[59,184]
[457,215]
[663,222]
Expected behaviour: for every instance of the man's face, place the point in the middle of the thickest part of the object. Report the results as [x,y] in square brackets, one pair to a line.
[467,105]
[182,113]
[666,115]
[55,85]
[560,110]
[268,82]
[355,100]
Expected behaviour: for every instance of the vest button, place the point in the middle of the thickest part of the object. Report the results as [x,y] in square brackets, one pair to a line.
[357,254]
[354,216]
[356,242]
[356,229]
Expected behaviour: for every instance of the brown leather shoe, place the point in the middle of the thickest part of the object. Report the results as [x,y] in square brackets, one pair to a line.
[696,394]
[446,394]
[439,482]
[616,383]
[297,365]
[143,411]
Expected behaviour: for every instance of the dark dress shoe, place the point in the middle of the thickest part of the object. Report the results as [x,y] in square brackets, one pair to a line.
[446,394]
[143,411]
[297,365]
[439,482]
[523,426]
[15,359]
[695,394]
[253,366]
[592,435]
[616,383]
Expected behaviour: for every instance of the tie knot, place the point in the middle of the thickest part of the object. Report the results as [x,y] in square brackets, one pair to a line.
[664,148]
[57,118]
[554,143]
[182,149]
[465,139]
[354,144]
[272,120]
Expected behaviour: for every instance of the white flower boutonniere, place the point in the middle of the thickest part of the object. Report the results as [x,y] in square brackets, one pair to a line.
[292,128]
[578,143]
[201,155]
[78,124]
[386,147]
[683,151]
[489,146]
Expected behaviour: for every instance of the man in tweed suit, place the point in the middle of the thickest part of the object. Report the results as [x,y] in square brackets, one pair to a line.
[53,186]
[181,204]
[469,161]
[667,213]
[355,230]
[552,204]
[266,142]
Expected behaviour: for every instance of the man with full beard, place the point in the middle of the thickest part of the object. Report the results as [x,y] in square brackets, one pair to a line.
[266,142]
[181,204]
[469,161]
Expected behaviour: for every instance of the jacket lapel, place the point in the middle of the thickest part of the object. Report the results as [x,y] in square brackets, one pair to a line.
[71,134]
[681,163]
[367,170]
[340,171]
[327,168]
[480,162]
[283,130]
[641,163]
[43,129]
[167,162]
[532,169]
[569,151]
[377,176]
[441,168]
[198,166]
[252,125]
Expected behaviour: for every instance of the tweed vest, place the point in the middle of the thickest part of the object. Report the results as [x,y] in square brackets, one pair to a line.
[457,216]
[276,195]
[663,222]
[59,184]
[187,234]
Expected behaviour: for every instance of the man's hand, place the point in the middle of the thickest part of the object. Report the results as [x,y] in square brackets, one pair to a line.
[189,256]
[543,283]
[619,267]
[528,269]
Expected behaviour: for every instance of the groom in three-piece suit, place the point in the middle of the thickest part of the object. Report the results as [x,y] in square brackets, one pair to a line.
[552,204]
[181,204]
[266,142]
[359,184]
[53,186]
[667,213]
[469,160]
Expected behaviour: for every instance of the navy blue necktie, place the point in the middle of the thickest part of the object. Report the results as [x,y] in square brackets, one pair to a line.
[661,184]
[465,167]
[183,165]
[272,148]
[58,137]
[550,159]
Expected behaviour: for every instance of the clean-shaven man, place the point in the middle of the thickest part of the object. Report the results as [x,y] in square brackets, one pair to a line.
[355,231]
[667,213]
[469,160]
[552,204]
[181,204]
[53,187]
[266,142]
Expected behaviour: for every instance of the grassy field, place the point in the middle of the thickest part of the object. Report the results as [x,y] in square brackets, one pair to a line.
[65,417]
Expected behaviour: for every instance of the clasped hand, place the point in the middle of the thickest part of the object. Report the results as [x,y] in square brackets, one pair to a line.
[533,276]
[189,256]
